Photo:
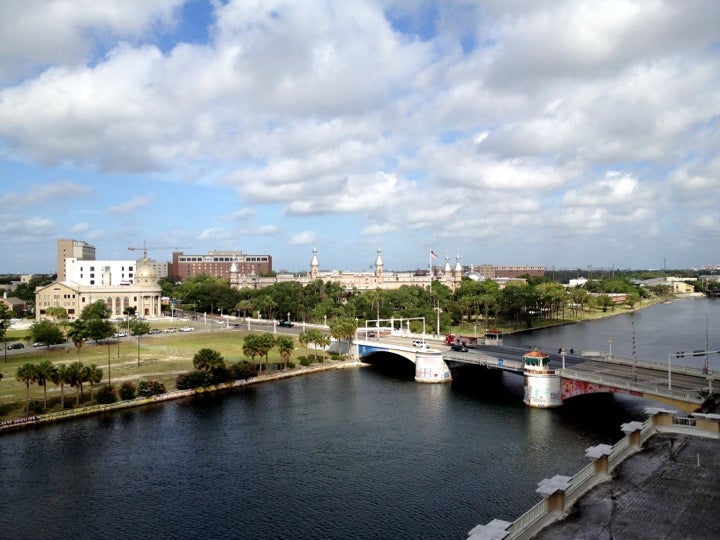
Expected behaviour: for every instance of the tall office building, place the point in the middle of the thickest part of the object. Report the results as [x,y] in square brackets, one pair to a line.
[76,249]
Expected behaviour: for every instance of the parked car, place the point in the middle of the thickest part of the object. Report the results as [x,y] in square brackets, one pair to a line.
[16,346]
[154,331]
[187,329]
[121,334]
[459,348]
[38,344]
[286,324]
[170,330]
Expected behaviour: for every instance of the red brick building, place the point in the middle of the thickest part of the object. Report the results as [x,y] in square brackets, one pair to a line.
[218,263]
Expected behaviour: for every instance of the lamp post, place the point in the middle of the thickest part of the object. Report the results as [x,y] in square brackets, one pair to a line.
[634,364]
[109,379]
[562,352]
[669,371]
[609,348]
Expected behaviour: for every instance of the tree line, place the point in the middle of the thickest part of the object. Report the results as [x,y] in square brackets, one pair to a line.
[519,303]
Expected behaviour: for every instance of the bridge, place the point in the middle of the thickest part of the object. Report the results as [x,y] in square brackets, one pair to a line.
[551,379]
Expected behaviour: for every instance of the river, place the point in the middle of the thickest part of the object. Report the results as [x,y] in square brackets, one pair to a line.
[361,453]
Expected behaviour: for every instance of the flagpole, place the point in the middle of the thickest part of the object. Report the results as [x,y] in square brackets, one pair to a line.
[431,272]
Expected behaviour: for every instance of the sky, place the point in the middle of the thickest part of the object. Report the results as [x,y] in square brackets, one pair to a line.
[568,134]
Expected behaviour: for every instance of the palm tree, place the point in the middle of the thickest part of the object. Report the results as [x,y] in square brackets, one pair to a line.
[244,306]
[265,343]
[27,374]
[78,333]
[44,371]
[285,345]
[250,346]
[74,378]
[94,374]
[60,377]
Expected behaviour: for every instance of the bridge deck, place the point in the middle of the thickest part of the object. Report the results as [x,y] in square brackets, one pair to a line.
[681,386]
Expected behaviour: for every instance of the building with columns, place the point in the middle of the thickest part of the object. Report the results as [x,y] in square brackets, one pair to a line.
[143,295]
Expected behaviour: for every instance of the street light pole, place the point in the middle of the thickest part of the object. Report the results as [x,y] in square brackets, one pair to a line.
[609,348]
[669,371]
[634,370]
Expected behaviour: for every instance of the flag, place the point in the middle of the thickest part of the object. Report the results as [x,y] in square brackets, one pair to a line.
[433,254]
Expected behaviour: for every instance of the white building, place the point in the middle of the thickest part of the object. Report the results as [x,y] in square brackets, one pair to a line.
[100,273]
[144,296]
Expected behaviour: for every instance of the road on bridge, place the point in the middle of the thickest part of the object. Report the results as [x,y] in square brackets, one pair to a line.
[618,369]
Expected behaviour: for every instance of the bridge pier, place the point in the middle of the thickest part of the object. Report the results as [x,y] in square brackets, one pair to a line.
[431,368]
[542,384]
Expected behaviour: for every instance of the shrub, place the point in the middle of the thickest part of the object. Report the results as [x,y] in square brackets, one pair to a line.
[106,394]
[35,407]
[242,370]
[150,388]
[291,365]
[192,379]
[304,361]
[127,390]
[219,375]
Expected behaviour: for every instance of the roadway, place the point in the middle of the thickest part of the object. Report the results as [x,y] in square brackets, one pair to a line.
[644,375]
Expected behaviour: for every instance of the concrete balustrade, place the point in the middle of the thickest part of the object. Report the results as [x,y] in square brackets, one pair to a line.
[560,493]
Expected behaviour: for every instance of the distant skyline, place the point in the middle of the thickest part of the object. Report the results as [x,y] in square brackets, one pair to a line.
[572,134]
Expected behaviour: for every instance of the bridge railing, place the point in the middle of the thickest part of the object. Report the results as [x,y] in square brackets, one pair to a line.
[484,360]
[690,397]
[658,366]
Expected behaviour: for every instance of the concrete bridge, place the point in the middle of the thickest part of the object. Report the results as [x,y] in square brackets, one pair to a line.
[551,379]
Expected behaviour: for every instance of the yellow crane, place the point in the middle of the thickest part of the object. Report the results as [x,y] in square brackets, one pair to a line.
[145,249]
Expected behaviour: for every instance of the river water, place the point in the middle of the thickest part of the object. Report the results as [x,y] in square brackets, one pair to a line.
[362,453]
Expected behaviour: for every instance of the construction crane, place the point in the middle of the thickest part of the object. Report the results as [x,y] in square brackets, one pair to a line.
[145,249]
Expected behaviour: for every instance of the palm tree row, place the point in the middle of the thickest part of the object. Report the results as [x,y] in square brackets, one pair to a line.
[74,374]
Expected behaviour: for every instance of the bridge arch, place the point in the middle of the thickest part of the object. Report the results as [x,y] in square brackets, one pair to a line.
[429,364]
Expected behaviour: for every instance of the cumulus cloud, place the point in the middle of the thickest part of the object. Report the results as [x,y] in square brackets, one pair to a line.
[522,118]
[53,192]
[304,238]
[134,204]
[36,33]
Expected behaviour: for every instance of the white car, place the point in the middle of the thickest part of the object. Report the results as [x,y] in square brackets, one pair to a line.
[187,329]
[121,334]
[420,343]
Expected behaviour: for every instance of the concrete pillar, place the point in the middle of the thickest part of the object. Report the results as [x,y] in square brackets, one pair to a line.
[632,431]
[431,368]
[495,530]
[661,417]
[553,490]
[599,454]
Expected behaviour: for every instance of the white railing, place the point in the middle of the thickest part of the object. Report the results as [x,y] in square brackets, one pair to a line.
[577,484]
[690,397]
[528,519]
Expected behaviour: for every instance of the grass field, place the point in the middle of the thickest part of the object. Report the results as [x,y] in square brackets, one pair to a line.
[160,357]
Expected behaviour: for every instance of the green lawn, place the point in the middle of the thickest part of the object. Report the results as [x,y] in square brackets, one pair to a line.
[161,357]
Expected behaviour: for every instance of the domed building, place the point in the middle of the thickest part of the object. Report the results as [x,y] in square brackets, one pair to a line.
[143,295]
